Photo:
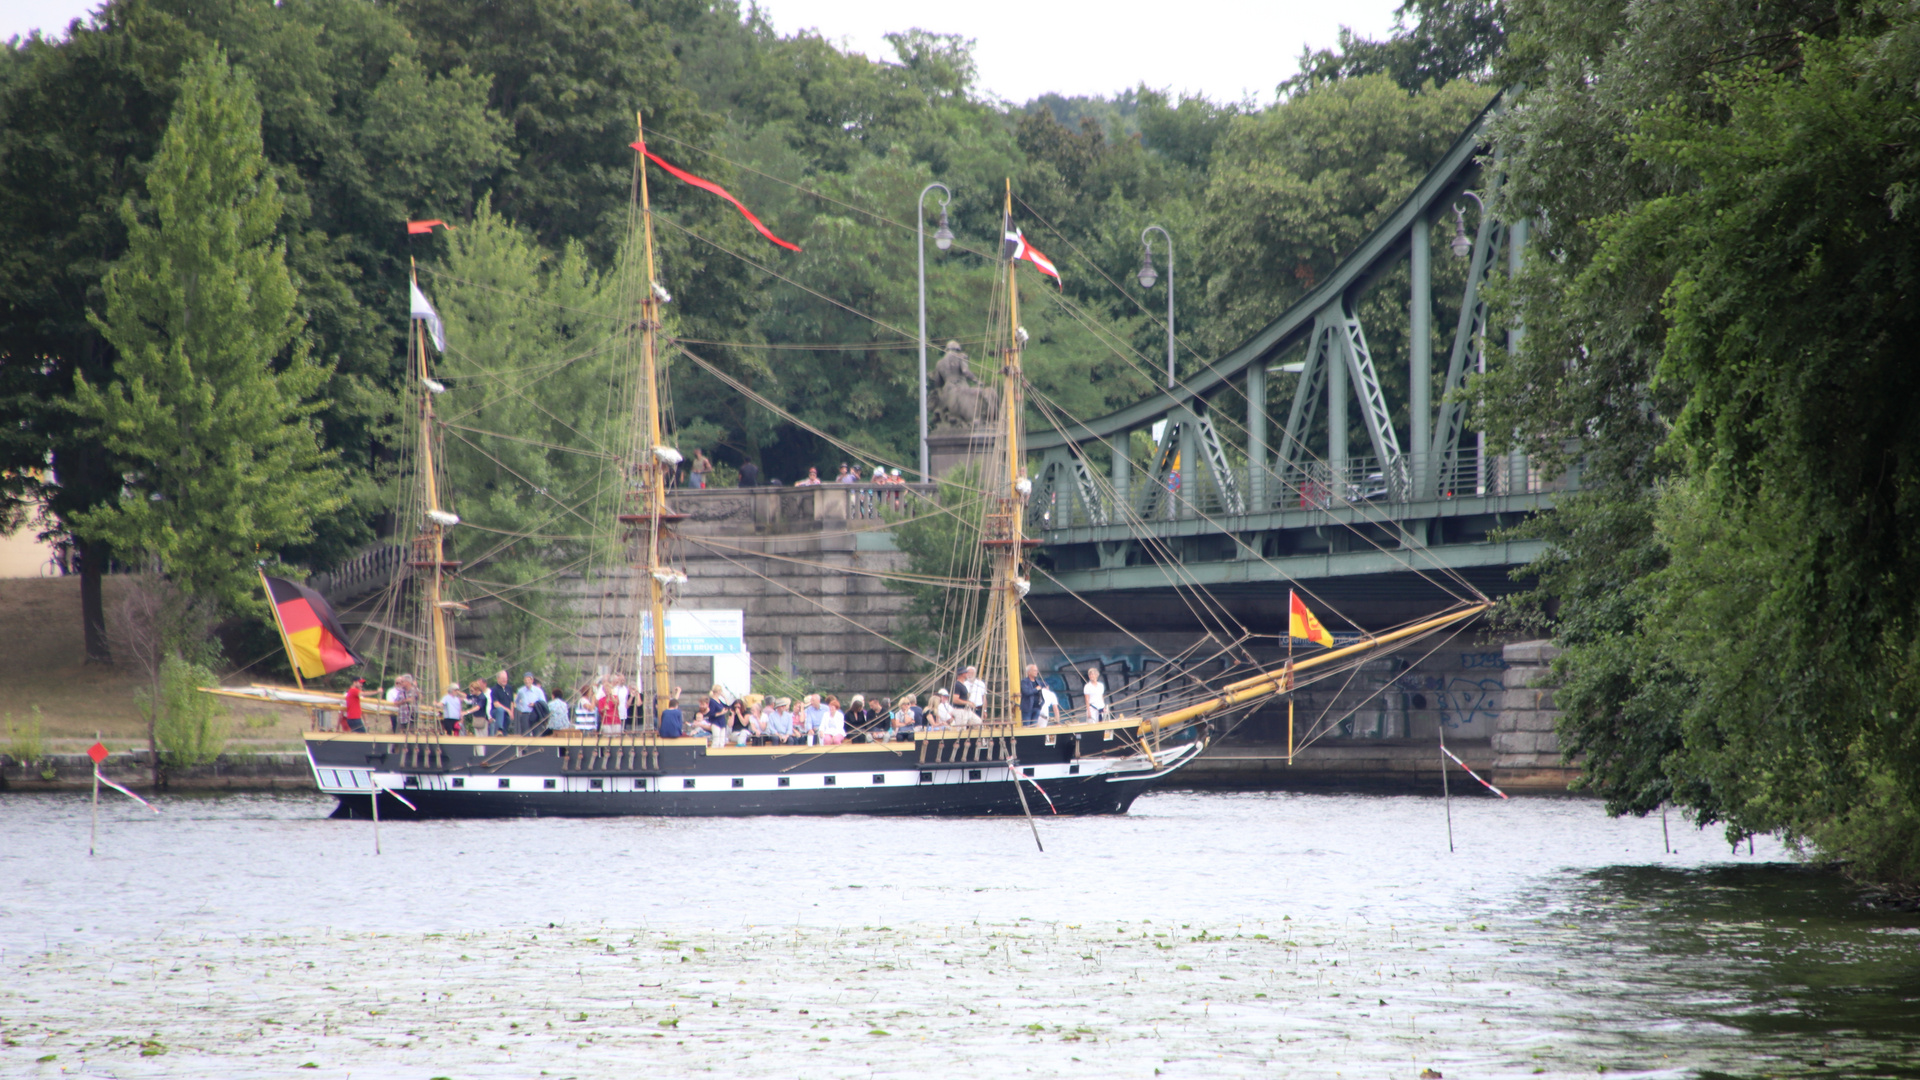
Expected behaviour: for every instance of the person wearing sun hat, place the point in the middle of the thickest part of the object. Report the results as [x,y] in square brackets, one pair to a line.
[941,714]
[453,706]
[779,722]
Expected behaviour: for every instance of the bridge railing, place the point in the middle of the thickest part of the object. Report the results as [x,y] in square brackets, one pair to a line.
[1363,481]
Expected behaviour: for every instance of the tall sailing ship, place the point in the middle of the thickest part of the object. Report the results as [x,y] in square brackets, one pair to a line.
[998,766]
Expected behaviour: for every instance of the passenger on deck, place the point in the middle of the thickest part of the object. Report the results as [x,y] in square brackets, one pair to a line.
[965,713]
[499,704]
[906,717]
[480,708]
[351,718]
[671,725]
[1030,686]
[586,711]
[779,722]
[404,696]
[941,715]
[712,728]
[453,706]
[745,725]
[811,716]
[859,715]
[1096,692]
[607,711]
[622,694]
[529,704]
[1049,706]
[975,687]
[833,727]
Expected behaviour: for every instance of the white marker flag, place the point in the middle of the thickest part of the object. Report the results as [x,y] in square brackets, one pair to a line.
[422,309]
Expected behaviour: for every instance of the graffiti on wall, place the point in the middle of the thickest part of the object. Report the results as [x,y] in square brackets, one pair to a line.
[1469,701]
[1136,682]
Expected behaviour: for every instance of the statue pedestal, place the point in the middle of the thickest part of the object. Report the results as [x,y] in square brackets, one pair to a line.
[950,448]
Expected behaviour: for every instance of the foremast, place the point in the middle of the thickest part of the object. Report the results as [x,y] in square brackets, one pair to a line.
[429,557]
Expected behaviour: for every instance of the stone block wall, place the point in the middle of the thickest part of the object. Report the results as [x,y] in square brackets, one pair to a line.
[1524,735]
[804,611]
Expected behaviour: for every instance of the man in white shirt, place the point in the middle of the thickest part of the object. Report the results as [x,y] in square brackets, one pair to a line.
[976,689]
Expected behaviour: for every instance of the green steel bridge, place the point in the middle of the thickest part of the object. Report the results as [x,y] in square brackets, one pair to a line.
[1254,484]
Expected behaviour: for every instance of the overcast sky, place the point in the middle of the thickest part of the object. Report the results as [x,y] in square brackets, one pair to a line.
[1225,49]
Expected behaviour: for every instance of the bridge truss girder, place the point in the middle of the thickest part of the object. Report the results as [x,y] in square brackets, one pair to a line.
[1197,471]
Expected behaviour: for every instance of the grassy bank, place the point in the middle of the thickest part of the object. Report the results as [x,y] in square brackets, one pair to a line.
[46,668]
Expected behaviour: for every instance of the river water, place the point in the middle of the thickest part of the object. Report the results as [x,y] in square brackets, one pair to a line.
[1201,935]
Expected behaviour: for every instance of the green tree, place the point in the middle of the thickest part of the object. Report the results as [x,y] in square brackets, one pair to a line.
[1719,308]
[942,545]
[1293,190]
[1433,42]
[360,138]
[538,407]
[211,401]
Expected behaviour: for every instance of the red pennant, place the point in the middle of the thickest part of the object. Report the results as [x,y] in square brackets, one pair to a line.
[415,228]
[708,185]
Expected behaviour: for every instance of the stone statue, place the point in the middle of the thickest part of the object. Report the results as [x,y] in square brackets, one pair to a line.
[958,400]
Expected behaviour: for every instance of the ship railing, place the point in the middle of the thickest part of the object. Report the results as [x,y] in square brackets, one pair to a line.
[634,749]
[981,743]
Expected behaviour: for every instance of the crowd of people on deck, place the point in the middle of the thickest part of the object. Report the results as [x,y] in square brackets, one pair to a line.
[609,704]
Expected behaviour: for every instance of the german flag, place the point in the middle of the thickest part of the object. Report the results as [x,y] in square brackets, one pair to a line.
[1302,624]
[315,643]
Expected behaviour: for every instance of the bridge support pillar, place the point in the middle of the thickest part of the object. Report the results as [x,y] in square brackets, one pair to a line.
[1336,418]
[1257,438]
[1420,352]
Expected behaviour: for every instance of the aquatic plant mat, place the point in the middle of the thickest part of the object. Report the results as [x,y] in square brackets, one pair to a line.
[1292,936]
[1296,998]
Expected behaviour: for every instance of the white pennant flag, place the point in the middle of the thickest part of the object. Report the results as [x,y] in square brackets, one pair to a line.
[422,309]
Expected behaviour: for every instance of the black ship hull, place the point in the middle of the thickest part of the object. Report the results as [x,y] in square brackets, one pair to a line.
[1077,769]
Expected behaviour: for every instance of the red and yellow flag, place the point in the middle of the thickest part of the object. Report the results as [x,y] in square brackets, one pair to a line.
[1302,624]
[316,645]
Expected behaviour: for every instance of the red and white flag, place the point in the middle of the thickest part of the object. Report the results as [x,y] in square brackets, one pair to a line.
[1018,248]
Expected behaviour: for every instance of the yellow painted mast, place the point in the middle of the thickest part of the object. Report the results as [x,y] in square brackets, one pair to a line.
[1012,411]
[435,553]
[653,470]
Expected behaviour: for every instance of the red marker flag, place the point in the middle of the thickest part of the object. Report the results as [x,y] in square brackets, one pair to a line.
[98,753]
[708,185]
[415,228]
[316,643]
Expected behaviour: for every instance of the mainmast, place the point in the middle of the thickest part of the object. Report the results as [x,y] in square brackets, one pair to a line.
[653,464]
[430,545]
[1010,536]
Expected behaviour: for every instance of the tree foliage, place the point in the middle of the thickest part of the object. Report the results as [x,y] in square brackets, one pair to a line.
[1434,42]
[512,121]
[212,391]
[1724,313]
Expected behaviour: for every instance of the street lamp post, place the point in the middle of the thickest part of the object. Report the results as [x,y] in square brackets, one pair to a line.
[1148,276]
[942,239]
